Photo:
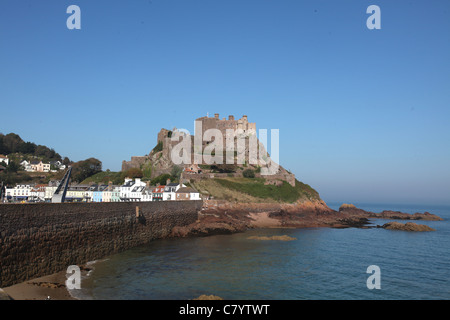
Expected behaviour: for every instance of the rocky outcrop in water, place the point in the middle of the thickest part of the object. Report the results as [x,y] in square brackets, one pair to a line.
[409,226]
[224,217]
[387,214]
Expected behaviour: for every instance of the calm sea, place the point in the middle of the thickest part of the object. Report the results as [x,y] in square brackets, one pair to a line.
[322,263]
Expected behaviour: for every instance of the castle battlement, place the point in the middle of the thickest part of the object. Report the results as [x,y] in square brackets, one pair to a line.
[223,124]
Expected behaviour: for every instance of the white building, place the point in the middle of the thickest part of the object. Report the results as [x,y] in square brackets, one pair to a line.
[170,191]
[4,159]
[131,190]
[111,195]
[147,194]
[49,191]
[186,193]
[38,193]
[58,165]
[19,193]
[136,193]
[26,165]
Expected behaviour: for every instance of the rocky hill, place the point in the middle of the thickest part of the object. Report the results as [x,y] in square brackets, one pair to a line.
[238,196]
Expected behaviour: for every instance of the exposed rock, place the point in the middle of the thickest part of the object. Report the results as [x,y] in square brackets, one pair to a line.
[51,285]
[388,214]
[409,226]
[347,206]
[225,217]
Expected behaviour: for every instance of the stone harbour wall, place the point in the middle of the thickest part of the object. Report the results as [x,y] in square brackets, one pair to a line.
[44,238]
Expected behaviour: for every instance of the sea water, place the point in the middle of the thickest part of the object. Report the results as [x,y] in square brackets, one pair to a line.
[321,263]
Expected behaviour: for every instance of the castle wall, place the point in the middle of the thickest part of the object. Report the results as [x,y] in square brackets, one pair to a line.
[44,238]
[135,162]
[274,179]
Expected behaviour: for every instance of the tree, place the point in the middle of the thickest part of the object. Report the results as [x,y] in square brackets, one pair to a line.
[176,172]
[161,179]
[132,173]
[248,173]
[82,170]
[3,148]
[12,142]
[27,148]
[13,167]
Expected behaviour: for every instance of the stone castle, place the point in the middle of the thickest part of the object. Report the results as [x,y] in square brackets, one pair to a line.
[160,160]
[223,124]
[164,135]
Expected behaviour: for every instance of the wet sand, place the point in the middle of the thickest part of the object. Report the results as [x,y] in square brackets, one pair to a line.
[52,286]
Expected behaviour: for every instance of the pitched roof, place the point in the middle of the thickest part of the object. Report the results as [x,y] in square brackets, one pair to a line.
[159,189]
[185,190]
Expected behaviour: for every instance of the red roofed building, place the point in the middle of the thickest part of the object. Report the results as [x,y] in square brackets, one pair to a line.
[157,193]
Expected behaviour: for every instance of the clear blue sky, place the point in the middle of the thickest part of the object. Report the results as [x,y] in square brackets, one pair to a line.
[364,115]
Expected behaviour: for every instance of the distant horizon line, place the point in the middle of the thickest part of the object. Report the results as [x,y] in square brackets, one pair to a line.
[387,203]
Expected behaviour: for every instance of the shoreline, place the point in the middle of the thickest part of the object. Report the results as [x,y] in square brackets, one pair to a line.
[228,219]
[42,288]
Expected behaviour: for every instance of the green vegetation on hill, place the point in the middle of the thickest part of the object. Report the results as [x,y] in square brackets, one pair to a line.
[255,190]
[13,144]
[18,150]
[158,147]
[104,177]
[174,176]
[82,170]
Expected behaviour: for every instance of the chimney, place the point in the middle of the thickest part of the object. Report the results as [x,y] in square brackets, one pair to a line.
[230,117]
[167,182]
[216,115]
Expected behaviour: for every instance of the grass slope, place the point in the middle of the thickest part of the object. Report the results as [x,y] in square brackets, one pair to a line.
[104,177]
[254,190]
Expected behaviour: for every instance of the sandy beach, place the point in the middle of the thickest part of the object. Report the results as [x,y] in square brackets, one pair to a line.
[52,286]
